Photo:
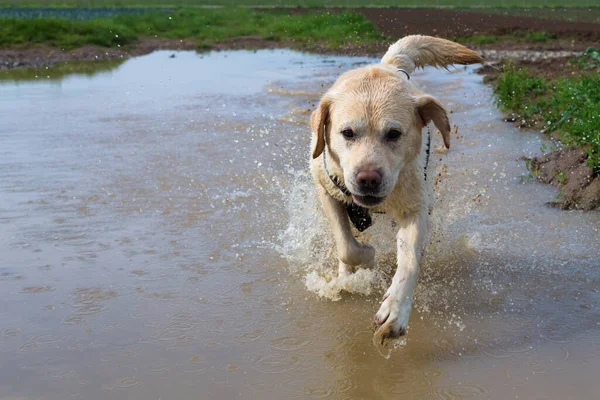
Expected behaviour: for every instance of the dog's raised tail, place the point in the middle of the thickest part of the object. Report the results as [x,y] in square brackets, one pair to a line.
[416,51]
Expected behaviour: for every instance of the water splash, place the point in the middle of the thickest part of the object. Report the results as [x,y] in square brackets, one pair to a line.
[327,283]
[308,246]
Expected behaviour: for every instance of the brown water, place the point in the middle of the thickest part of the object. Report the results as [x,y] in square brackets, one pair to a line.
[159,239]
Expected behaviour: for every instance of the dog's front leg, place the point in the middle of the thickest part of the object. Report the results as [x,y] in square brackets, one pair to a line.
[392,317]
[350,252]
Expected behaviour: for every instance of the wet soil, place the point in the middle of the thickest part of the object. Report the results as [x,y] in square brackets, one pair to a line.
[397,22]
[568,170]
[549,68]
[42,56]
[45,56]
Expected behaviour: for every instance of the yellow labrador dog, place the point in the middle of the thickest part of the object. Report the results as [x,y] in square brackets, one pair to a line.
[368,152]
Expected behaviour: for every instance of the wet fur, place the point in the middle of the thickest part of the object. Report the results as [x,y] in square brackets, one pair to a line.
[371,100]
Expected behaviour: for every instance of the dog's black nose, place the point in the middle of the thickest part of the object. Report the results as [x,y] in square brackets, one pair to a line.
[368,180]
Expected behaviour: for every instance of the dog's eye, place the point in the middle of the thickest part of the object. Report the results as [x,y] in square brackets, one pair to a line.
[348,134]
[393,135]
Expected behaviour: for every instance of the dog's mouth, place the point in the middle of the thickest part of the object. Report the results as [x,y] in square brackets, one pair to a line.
[367,201]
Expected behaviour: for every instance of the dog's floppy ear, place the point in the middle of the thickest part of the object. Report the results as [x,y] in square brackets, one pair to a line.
[429,109]
[318,121]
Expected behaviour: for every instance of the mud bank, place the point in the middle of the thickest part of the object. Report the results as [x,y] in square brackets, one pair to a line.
[578,183]
[47,56]
[567,169]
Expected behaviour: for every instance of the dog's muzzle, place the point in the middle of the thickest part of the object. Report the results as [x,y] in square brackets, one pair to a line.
[367,201]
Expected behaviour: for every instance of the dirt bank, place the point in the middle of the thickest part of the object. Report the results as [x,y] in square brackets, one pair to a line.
[44,56]
[578,183]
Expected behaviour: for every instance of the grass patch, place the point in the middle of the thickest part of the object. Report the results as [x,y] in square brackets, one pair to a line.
[590,59]
[478,39]
[535,36]
[501,4]
[204,46]
[515,89]
[540,36]
[561,177]
[516,36]
[569,106]
[205,25]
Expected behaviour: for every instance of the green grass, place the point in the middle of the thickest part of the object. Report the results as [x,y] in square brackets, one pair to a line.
[569,106]
[516,89]
[516,36]
[561,177]
[589,61]
[501,4]
[205,25]
[535,36]
[479,39]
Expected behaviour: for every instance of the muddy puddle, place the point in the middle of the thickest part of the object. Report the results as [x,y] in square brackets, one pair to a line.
[159,239]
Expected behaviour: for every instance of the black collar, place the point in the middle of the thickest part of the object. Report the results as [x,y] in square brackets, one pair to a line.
[359,216]
[405,73]
[334,179]
[427,151]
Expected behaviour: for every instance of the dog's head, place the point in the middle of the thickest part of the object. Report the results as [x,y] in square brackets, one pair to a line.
[372,123]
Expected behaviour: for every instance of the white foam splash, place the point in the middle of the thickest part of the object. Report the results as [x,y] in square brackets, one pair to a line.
[305,223]
[308,246]
[328,285]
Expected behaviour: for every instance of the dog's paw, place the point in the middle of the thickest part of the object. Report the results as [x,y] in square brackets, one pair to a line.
[357,254]
[344,270]
[368,255]
[391,320]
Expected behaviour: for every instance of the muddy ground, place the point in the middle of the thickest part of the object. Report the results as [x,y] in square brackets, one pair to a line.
[578,183]
[448,23]
[549,58]
[454,23]
[42,55]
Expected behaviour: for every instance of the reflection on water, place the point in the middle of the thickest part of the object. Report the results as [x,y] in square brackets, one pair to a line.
[61,70]
[160,239]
